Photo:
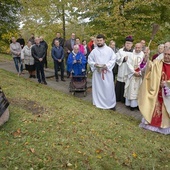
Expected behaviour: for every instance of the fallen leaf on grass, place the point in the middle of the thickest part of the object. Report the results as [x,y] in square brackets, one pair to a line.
[17,133]
[98,151]
[32,150]
[79,151]
[68,164]
[26,143]
[99,157]
[134,155]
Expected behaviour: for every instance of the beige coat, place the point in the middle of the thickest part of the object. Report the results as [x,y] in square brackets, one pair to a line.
[26,55]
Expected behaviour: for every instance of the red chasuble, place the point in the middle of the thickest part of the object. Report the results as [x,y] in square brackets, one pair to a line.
[157,115]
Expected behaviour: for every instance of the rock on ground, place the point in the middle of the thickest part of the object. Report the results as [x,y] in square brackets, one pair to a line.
[4,117]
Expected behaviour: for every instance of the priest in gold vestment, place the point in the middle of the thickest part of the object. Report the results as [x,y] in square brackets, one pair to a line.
[154,95]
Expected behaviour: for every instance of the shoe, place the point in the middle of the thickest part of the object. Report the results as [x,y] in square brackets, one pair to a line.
[114,108]
[62,80]
[137,108]
[68,74]
[56,80]
[44,82]
[132,108]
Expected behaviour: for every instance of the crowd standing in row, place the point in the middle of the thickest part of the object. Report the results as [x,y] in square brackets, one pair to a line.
[141,84]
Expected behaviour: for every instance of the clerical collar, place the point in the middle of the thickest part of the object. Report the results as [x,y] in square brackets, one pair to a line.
[131,50]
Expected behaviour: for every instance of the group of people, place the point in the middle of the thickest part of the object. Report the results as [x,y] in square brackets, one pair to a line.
[32,55]
[140,83]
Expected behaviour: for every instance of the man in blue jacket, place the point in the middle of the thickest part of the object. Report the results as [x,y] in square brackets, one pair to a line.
[57,54]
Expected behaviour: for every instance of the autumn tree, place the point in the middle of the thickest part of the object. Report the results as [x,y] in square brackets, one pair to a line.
[9,23]
[119,18]
[114,18]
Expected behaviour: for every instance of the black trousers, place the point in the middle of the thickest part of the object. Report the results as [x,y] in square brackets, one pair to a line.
[119,89]
[58,65]
[45,61]
[40,71]
[66,58]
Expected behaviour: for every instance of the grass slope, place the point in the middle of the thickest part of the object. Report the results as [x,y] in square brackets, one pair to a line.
[49,130]
[5,57]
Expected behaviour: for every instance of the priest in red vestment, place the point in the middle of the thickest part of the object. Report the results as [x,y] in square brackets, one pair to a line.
[154,95]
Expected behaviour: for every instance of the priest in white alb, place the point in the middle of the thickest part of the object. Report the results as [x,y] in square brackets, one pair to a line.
[121,60]
[102,60]
[134,77]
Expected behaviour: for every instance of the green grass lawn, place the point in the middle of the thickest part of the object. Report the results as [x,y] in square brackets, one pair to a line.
[5,57]
[49,130]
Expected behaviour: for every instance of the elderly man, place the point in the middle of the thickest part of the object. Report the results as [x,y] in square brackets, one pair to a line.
[102,60]
[166,46]
[134,77]
[160,51]
[38,53]
[154,95]
[15,49]
[76,62]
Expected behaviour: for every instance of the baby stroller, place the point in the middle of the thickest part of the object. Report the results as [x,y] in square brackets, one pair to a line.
[78,84]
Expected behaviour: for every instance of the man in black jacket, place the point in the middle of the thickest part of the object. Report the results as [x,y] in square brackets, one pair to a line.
[58,37]
[21,41]
[38,53]
[42,42]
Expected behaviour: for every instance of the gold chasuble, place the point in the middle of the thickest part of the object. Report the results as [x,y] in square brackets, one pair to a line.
[150,97]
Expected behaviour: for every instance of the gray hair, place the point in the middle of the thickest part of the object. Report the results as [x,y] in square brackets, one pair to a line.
[76,46]
[160,45]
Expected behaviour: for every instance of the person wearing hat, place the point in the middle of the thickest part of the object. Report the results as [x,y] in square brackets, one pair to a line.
[122,57]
